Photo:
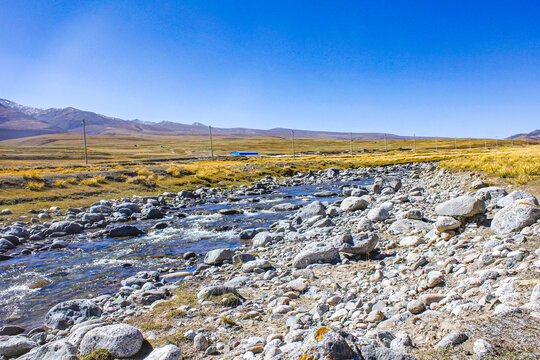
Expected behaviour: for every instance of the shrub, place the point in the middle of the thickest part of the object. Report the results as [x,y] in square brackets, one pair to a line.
[31,175]
[71,181]
[60,183]
[90,182]
[35,186]
[143,172]
[141,180]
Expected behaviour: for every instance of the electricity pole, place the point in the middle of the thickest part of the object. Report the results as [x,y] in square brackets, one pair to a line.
[84,137]
[351,143]
[293,154]
[211,144]
[414,142]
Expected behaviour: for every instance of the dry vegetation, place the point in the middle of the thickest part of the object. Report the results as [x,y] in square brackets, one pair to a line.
[43,171]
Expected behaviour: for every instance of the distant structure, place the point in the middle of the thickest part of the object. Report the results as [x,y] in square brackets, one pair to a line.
[244,153]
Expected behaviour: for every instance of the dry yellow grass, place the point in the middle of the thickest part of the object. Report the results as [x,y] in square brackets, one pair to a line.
[35,186]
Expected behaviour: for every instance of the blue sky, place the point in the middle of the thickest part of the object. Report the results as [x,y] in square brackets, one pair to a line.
[444,68]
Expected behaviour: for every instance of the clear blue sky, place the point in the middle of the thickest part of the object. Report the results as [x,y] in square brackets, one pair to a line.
[446,68]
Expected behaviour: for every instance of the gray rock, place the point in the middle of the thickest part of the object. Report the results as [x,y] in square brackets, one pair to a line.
[248,234]
[262,239]
[373,352]
[14,346]
[445,223]
[201,342]
[59,349]
[483,349]
[67,227]
[6,244]
[359,244]
[121,340]
[325,254]
[11,330]
[416,307]
[125,230]
[453,339]
[311,210]
[167,352]
[409,226]
[378,214]
[517,196]
[216,290]
[218,256]
[152,213]
[514,218]
[364,224]
[462,206]
[259,263]
[392,182]
[353,203]
[324,343]
[491,193]
[71,312]
[242,258]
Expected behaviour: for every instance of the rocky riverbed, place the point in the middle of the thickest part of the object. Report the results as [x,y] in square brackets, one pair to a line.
[419,263]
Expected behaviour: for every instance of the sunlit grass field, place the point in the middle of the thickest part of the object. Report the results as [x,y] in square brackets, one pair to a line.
[43,171]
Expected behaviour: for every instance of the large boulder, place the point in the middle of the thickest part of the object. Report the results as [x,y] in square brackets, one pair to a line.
[121,340]
[311,210]
[322,254]
[392,182]
[59,349]
[353,203]
[462,206]
[514,218]
[359,244]
[445,223]
[125,230]
[167,352]
[15,346]
[71,312]
[218,256]
[378,214]
[216,290]
[324,343]
[517,196]
[67,227]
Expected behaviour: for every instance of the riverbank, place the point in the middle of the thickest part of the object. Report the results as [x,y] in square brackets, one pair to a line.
[424,263]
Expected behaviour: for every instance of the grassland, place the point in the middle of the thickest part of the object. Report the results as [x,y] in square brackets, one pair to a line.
[43,171]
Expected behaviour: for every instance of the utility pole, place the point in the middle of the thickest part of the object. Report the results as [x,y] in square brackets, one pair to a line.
[84,137]
[293,154]
[385,144]
[414,142]
[211,143]
[351,143]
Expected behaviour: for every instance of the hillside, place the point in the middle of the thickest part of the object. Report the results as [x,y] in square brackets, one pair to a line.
[47,121]
[533,135]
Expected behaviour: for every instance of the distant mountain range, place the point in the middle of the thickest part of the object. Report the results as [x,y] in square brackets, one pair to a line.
[533,135]
[18,121]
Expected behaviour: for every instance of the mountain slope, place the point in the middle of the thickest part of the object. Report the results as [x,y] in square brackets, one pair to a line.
[535,134]
[15,124]
[70,120]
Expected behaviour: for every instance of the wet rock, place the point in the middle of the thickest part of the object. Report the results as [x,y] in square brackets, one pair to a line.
[248,234]
[125,230]
[67,227]
[121,340]
[55,350]
[462,206]
[311,210]
[514,218]
[230,211]
[353,203]
[14,346]
[167,352]
[324,254]
[218,256]
[152,213]
[11,330]
[6,245]
[517,196]
[71,312]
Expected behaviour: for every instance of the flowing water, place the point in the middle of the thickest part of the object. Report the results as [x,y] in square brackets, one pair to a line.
[31,284]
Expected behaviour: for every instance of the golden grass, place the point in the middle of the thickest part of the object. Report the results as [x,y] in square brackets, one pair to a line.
[60,183]
[71,181]
[35,186]
[26,175]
